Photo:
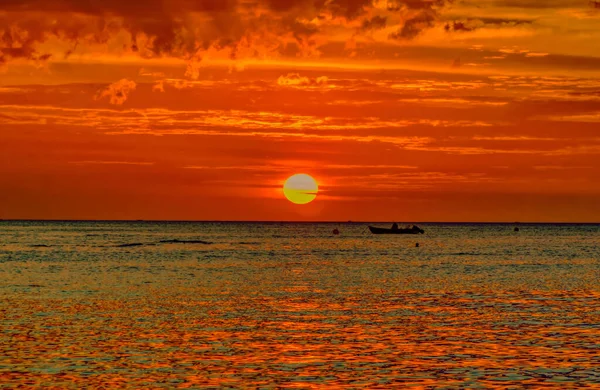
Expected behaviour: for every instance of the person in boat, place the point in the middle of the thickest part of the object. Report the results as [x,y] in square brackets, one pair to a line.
[395,226]
[417,229]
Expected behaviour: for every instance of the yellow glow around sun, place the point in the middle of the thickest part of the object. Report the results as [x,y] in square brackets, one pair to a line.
[300,189]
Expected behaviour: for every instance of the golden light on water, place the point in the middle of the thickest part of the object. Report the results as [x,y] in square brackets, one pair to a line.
[300,188]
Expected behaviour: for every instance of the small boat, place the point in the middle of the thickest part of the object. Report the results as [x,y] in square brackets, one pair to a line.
[412,230]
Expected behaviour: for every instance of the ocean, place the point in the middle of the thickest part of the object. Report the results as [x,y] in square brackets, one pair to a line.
[290,305]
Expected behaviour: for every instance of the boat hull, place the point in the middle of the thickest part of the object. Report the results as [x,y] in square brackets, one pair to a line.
[376,230]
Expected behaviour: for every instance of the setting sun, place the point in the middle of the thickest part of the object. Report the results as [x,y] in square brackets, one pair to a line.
[300,189]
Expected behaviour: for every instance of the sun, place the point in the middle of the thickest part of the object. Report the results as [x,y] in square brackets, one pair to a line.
[300,188]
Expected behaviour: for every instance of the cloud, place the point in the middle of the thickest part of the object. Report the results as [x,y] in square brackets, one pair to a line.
[532,54]
[8,90]
[593,117]
[117,92]
[189,30]
[8,117]
[102,162]
[148,73]
[417,15]
[159,86]
[536,4]
[7,53]
[458,26]
[375,23]
[294,80]
[472,24]
[415,25]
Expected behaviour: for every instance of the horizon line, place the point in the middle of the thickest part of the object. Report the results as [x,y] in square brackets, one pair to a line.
[300,221]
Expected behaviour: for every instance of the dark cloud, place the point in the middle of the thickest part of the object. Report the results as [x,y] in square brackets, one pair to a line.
[586,93]
[349,9]
[474,24]
[397,5]
[27,52]
[413,26]
[7,117]
[375,23]
[172,28]
[422,14]
[117,7]
[503,21]
[457,26]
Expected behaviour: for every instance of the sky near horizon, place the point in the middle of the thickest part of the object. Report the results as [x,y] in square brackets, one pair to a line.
[406,110]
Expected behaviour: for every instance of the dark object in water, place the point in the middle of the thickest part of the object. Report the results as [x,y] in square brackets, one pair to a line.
[516,229]
[417,245]
[40,246]
[336,232]
[413,230]
[130,245]
[176,241]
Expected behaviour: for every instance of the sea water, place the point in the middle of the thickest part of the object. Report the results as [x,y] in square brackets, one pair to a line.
[265,305]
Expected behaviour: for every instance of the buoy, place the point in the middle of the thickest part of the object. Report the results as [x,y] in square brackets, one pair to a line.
[336,232]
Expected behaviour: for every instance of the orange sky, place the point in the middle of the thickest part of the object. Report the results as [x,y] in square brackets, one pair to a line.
[407,110]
